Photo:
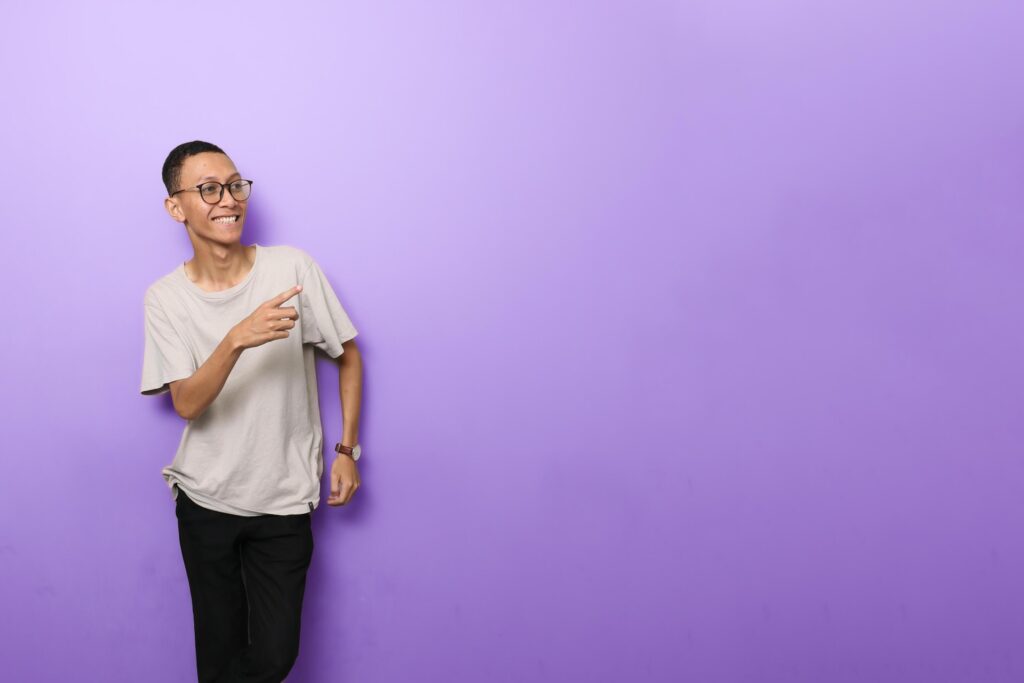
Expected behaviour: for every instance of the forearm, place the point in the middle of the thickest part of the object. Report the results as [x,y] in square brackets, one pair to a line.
[194,395]
[350,383]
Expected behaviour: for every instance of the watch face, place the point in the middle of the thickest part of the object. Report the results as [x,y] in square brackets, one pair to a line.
[356,452]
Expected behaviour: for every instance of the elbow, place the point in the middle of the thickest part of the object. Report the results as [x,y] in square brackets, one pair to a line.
[188,411]
[183,410]
[189,414]
[181,404]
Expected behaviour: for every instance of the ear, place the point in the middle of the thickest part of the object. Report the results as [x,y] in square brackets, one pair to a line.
[174,209]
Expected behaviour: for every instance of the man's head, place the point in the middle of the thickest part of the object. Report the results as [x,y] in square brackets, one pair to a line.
[185,171]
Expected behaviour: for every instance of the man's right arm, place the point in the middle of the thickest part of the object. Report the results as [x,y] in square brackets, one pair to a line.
[193,395]
[270,321]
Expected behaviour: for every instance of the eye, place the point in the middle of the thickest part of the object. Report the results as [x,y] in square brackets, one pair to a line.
[210,188]
[238,185]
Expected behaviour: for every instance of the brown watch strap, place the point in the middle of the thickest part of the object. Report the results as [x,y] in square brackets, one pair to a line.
[347,450]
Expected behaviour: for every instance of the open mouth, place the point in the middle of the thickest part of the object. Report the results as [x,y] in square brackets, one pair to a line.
[226,219]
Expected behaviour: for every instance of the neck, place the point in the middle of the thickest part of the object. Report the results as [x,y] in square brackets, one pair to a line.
[217,266]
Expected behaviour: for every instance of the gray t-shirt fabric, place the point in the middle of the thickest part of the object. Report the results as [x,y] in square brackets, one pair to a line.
[258,447]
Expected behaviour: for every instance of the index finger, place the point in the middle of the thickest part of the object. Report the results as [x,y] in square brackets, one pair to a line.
[283,296]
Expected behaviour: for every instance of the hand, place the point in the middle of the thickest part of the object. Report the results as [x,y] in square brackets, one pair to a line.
[344,480]
[268,322]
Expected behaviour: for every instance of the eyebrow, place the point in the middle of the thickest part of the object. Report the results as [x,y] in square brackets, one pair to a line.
[213,177]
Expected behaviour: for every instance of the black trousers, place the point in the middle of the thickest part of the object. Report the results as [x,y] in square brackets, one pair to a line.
[247,576]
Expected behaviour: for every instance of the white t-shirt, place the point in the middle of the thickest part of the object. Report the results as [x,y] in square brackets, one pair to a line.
[258,447]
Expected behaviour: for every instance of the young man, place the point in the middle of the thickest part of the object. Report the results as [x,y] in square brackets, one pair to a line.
[239,365]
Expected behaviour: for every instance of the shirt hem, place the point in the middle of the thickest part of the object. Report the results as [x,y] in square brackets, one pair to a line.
[303,507]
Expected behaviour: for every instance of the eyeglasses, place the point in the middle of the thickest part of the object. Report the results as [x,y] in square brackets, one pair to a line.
[212,191]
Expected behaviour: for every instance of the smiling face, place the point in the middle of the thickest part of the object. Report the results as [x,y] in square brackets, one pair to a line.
[220,222]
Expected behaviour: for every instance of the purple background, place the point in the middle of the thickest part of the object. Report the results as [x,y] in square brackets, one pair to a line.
[692,333]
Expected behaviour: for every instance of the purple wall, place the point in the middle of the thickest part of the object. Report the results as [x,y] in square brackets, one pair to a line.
[691,330]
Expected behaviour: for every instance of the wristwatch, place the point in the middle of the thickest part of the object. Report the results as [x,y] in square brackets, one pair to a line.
[354,451]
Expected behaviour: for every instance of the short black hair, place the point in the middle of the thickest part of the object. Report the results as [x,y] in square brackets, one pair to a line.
[172,166]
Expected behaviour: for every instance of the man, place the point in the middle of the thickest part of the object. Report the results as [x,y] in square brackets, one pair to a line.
[239,366]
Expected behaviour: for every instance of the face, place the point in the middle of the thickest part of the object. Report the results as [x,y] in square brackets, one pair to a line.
[208,221]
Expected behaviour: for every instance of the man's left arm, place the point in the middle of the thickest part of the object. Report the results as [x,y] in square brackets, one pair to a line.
[344,474]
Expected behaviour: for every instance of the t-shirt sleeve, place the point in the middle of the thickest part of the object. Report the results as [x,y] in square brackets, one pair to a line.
[165,358]
[325,324]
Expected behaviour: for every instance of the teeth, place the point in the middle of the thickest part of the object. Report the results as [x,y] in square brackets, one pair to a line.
[230,219]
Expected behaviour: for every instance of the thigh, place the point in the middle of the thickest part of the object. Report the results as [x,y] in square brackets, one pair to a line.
[210,549]
[276,555]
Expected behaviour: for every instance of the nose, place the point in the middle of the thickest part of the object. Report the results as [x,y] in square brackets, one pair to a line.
[226,200]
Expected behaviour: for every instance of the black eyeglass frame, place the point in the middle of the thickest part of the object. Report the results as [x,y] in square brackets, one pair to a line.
[199,188]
